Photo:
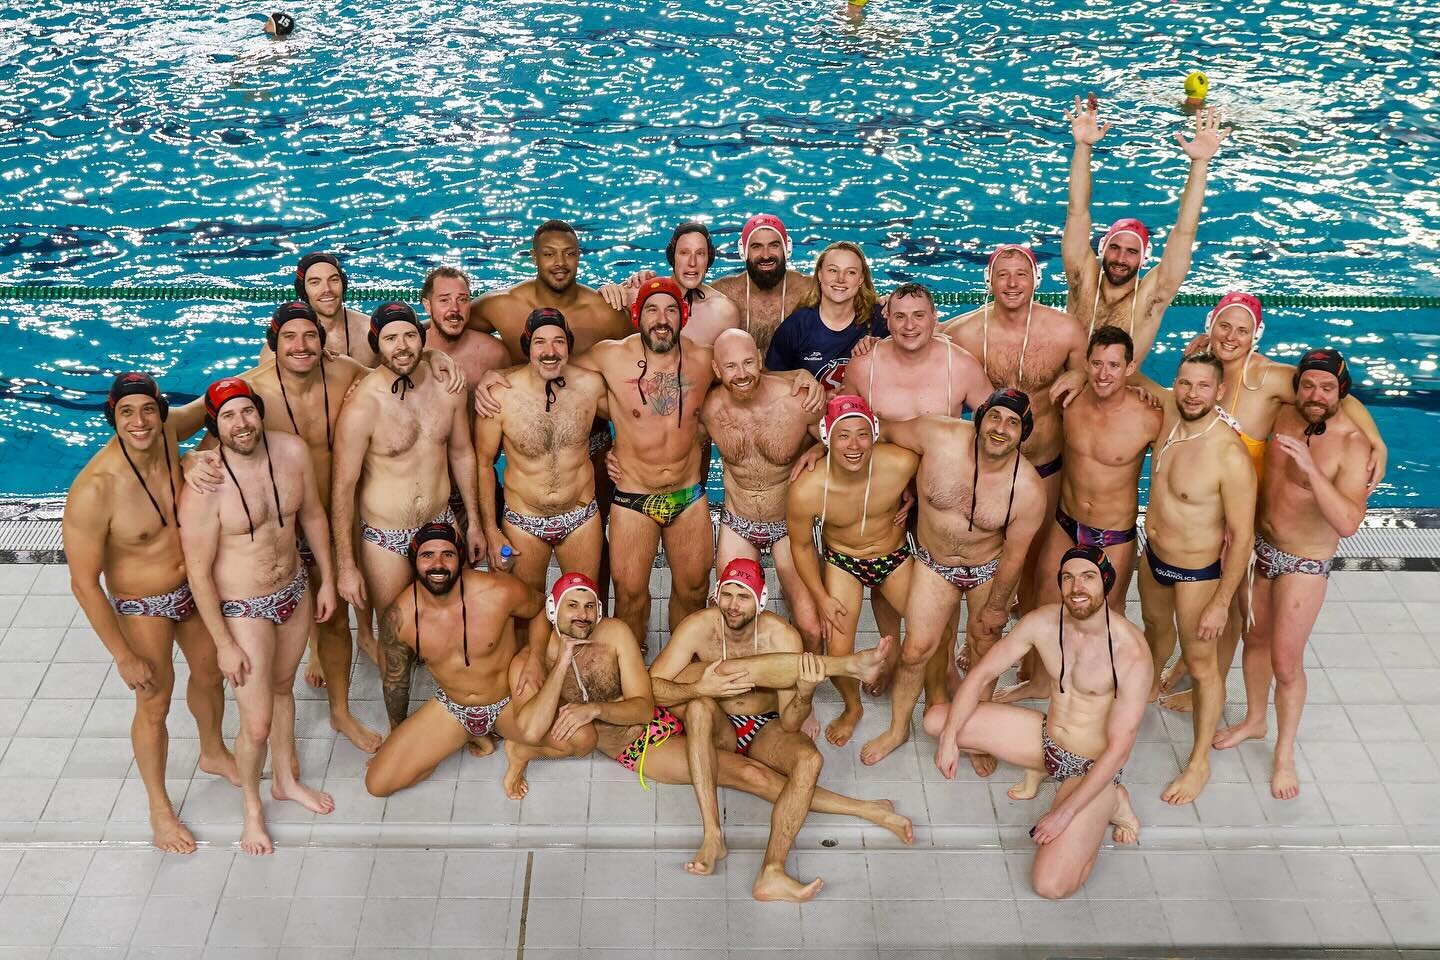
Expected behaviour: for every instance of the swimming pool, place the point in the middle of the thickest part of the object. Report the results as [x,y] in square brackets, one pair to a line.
[191,149]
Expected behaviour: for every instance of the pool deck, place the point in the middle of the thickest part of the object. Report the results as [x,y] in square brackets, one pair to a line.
[452,868]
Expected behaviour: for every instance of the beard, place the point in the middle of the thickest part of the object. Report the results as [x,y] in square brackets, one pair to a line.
[1118,274]
[551,285]
[440,588]
[401,367]
[1189,417]
[1095,603]
[455,319]
[244,450]
[767,277]
[662,347]
[578,629]
[1315,413]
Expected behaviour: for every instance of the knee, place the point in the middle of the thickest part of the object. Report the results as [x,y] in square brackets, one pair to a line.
[1288,671]
[754,777]
[918,649]
[255,731]
[807,765]
[582,741]
[631,596]
[152,706]
[934,719]
[1051,886]
[378,783]
[205,675]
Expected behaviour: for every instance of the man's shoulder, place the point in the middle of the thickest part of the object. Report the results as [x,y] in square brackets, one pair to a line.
[780,636]
[613,632]
[94,480]
[286,446]
[728,286]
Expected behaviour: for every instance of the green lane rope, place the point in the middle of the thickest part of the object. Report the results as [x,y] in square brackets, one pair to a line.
[944,298]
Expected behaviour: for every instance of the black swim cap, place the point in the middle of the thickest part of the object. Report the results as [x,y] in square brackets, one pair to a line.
[134,385]
[392,312]
[284,24]
[544,317]
[1329,360]
[295,310]
[1094,555]
[434,531]
[308,261]
[691,226]
[1011,399]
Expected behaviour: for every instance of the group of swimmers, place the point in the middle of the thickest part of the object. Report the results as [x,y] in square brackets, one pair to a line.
[351,467]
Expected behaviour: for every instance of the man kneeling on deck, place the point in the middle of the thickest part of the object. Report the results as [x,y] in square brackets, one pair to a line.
[472,684]
[1084,740]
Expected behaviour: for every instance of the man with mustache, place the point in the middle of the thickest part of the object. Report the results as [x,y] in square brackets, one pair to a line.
[446,298]
[303,390]
[400,439]
[760,429]
[691,254]
[980,505]
[543,424]
[1109,289]
[252,589]
[767,290]
[1202,493]
[1101,673]
[1312,494]
[121,521]
[461,626]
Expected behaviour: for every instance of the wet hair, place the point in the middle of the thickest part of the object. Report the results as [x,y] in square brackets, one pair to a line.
[553,226]
[447,273]
[1108,336]
[865,297]
[1209,359]
[913,290]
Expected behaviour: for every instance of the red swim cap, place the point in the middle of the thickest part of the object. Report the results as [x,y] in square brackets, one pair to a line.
[568,582]
[1129,225]
[1245,301]
[764,221]
[846,405]
[654,288]
[746,573]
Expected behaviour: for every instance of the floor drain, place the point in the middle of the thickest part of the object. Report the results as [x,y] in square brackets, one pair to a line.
[829,842]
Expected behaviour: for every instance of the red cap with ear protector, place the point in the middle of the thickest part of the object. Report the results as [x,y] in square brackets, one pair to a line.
[655,288]
[843,406]
[568,582]
[1131,226]
[1006,248]
[746,573]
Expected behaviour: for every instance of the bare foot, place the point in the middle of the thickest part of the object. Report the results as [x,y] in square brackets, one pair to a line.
[1029,690]
[1284,783]
[882,746]
[773,884]
[811,726]
[1027,789]
[1181,702]
[254,839]
[481,746]
[514,783]
[884,815]
[1171,676]
[1126,824]
[316,801]
[315,674]
[877,661]
[890,653]
[983,763]
[712,851]
[356,732]
[221,766]
[1238,734]
[171,835]
[842,728]
[1186,787]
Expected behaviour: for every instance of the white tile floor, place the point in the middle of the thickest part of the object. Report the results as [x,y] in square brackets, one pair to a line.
[589,860]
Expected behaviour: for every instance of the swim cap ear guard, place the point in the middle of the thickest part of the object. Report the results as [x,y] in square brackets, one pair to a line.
[841,407]
[746,573]
[568,582]
[764,221]
[655,287]
[295,310]
[1011,399]
[222,392]
[1132,226]
[388,313]
[1094,555]
[1006,247]
[134,385]
[544,317]
[690,226]
[308,261]
[435,531]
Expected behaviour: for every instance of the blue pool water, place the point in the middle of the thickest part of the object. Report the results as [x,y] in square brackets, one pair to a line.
[190,149]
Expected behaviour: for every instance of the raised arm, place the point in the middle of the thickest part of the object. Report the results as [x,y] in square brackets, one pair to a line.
[397,658]
[1174,264]
[1085,127]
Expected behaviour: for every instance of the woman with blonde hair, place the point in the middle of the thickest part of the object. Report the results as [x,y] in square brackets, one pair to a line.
[832,319]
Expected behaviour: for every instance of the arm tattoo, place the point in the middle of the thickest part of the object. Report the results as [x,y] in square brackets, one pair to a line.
[396,659]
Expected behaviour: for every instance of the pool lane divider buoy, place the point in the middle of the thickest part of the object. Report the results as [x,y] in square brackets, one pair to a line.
[944,298]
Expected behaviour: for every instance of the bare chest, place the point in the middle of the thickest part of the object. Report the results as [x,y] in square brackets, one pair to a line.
[413,423]
[531,431]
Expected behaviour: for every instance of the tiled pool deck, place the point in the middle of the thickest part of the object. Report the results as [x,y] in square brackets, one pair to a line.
[589,862]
